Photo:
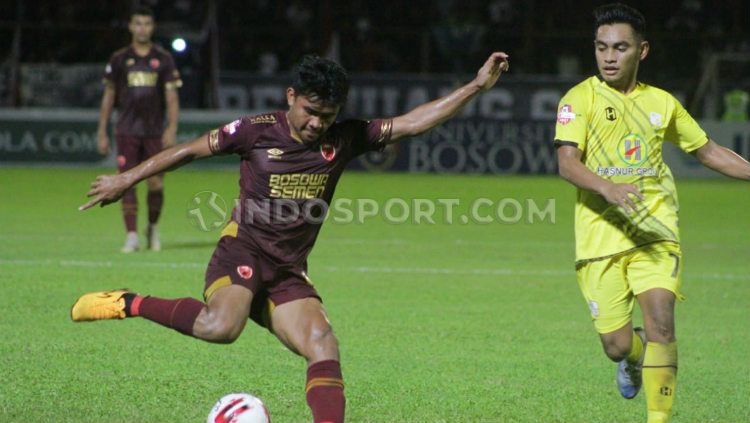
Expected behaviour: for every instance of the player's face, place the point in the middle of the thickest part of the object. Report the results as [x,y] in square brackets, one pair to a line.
[618,53]
[308,118]
[141,27]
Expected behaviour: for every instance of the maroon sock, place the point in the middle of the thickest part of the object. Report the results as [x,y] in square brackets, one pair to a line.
[130,209]
[178,314]
[155,200]
[325,392]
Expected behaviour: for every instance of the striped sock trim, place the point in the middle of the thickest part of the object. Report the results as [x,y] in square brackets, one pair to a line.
[324,381]
[135,306]
[176,306]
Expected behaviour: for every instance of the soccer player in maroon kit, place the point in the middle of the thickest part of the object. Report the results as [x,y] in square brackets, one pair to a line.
[141,79]
[258,268]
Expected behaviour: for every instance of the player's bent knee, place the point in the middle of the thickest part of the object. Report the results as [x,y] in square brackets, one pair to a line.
[218,329]
[226,334]
[616,351]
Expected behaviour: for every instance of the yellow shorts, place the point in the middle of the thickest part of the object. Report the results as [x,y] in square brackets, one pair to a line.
[610,285]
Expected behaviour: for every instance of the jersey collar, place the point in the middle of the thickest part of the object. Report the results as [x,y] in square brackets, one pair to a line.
[636,90]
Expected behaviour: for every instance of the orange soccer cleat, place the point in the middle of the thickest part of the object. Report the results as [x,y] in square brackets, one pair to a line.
[102,305]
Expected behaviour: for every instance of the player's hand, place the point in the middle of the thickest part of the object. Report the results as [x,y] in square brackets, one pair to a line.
[623,195]
[105,190]
[102,143]
[490,72]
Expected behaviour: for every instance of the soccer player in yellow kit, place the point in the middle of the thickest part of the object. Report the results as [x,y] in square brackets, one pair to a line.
[609,135]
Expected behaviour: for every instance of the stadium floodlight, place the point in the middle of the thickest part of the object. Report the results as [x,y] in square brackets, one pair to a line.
[179,45]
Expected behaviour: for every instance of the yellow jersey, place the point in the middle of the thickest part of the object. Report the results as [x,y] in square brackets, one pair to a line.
[621,138]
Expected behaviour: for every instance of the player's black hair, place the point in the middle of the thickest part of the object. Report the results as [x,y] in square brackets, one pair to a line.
[321,79]
[142,11]
[614,13]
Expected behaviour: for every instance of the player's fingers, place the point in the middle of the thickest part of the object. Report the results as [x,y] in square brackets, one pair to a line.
[500,55]
[89,204]
[93,191]
[500,59]
[634,191]
[496,58]
[631,205]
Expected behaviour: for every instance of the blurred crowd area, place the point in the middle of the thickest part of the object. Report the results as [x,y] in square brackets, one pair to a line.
[423,36]
[379,36]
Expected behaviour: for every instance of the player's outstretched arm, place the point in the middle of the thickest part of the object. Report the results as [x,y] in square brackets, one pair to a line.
[575,172]
[429,115]
[723,160]
[107,189]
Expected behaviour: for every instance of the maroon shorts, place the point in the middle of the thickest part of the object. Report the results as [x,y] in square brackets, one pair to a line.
[131,151]
[236,261]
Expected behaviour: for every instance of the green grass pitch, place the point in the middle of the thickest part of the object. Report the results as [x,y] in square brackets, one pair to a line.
[437,323]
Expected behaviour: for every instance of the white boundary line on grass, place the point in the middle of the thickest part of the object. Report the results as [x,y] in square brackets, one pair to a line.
[353,269]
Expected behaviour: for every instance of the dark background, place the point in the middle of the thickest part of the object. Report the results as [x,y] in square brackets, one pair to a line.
[551,38]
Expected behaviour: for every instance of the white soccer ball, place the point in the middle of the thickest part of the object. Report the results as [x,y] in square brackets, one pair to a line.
[239,408]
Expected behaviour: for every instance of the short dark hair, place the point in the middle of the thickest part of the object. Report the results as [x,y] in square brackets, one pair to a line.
[613,13]
[321,78]
[142,11]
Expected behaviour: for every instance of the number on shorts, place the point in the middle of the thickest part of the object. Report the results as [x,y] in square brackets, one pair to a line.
[676,264]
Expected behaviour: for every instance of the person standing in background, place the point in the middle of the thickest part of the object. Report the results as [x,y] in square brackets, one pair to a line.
[142,80]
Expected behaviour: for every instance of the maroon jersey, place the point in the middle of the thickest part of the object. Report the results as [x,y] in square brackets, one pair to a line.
[285,185]
[140,82]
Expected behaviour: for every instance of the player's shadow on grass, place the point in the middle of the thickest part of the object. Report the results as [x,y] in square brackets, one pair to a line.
[189,245]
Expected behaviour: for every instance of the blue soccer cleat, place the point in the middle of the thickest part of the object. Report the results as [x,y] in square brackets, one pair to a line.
[629,374]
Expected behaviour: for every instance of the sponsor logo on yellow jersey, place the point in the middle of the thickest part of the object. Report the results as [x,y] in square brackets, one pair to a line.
[633,150]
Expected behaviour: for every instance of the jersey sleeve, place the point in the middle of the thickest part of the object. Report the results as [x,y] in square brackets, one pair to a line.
[571,127]
[372,135]
[169,74]
[233,138]
[684,131]
[111,70]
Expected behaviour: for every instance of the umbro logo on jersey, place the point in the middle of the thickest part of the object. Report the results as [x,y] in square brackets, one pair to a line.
[610,113]
[274,153]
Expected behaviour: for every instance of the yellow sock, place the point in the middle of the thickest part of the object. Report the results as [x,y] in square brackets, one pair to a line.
[660,380]
[636,349]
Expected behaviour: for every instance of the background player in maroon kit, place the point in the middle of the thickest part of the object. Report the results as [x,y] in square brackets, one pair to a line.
[141,80]
[289,158]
